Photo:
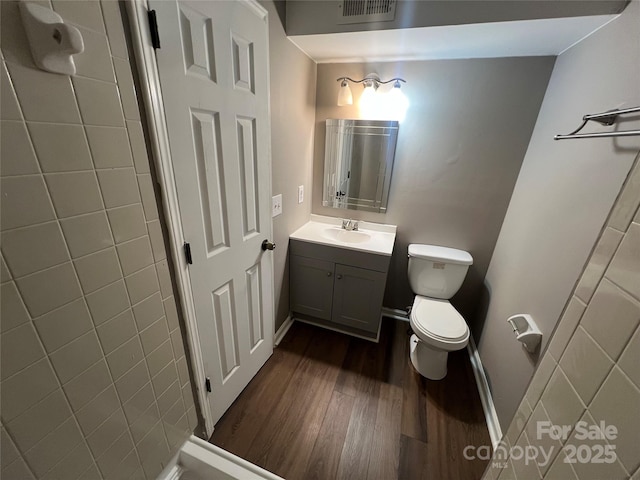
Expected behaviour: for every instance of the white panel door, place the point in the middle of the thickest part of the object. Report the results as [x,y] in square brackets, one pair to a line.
[213,65]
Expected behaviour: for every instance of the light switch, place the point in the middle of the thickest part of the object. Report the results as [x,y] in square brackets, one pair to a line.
[276,205]
[301,194]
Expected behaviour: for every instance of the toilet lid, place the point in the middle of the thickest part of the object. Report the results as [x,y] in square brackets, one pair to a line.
[437,318]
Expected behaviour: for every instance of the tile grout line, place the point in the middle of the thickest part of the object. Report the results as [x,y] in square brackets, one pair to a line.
[19,450]
[626,292]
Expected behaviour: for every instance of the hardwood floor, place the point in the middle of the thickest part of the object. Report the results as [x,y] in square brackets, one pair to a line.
[329,406]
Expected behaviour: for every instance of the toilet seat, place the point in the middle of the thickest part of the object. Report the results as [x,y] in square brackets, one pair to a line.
[438,323]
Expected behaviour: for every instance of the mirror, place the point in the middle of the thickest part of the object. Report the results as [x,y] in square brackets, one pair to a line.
[358,160]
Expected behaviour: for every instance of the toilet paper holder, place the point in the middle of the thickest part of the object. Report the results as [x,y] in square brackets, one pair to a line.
[526,331]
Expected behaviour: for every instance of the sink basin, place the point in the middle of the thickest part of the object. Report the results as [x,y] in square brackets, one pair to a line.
[370,237]
[346,236]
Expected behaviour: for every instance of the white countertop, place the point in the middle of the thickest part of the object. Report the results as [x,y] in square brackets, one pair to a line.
[371,237]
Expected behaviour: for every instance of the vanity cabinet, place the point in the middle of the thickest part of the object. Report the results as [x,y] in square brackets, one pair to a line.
[337,288]
[311,283]
[357,297]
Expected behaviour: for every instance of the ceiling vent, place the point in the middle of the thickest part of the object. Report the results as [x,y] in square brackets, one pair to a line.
[366,11]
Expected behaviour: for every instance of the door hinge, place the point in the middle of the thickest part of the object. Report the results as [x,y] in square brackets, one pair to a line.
[187,253]
[207,384]
[153,27]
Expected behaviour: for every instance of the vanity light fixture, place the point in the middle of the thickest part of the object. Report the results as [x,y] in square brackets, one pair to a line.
[371,83]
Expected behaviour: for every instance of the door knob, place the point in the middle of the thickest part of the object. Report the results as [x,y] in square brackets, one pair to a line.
[328,274]
[267,245]
[339,276]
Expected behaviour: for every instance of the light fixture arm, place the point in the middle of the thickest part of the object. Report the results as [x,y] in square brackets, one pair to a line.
[371,78]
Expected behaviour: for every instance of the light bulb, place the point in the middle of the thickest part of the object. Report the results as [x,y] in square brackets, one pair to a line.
[344,95]
[368,102]
[396,103]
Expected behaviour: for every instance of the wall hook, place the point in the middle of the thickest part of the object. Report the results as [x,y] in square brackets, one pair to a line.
[52,42]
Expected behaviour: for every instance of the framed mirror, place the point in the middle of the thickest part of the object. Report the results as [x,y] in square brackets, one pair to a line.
[358,161]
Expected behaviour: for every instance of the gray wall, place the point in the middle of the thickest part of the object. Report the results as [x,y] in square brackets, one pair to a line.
[95,382]
[563,195]
[588,339]
[458,155]
[305,17]
[293,86]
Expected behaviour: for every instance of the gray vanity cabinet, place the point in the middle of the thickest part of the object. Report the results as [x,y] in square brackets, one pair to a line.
[337,288]
[357,297]
[311,283]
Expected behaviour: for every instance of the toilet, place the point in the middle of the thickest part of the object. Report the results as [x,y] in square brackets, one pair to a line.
[435,275]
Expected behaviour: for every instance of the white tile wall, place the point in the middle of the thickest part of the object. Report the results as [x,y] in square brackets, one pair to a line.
[56,103]
[30,202]
[74,193]
[109,146]
[119,187]
[148,311]
[53,142]
[127,222]
[99,102]
[94,377]
[590,370]
[87,234]
[10,109]
[31,249]
[18,157]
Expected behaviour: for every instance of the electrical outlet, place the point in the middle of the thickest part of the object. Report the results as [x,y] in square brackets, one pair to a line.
[276,205]
[301,194]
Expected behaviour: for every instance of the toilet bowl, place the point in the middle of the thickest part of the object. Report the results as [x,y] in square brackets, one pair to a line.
[438,329]
[435,275]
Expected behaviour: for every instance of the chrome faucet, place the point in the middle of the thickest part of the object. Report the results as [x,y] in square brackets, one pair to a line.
[350,224]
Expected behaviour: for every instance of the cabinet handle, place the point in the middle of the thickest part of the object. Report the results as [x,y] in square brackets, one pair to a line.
[328,274]
[339,276]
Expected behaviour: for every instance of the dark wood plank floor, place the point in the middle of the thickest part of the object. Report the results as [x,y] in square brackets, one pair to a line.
[328,406]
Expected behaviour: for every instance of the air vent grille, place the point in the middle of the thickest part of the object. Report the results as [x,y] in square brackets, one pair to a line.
[378,6]
[354,7]
[366,11]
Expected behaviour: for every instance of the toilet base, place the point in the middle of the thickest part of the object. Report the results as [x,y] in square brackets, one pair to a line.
[428,362]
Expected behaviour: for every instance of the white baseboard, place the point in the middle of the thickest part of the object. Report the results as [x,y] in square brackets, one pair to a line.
[282,331]
[490,415]
[395,313]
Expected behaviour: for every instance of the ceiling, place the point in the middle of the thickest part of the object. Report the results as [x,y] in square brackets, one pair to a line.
[479,40]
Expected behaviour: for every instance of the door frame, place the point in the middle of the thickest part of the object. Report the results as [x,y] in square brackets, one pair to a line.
[151,95]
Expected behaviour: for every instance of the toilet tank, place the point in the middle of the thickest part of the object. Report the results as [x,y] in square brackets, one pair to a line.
[435,271]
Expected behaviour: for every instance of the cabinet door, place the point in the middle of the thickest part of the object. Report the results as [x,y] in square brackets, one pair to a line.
[357,297]
[311,283]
